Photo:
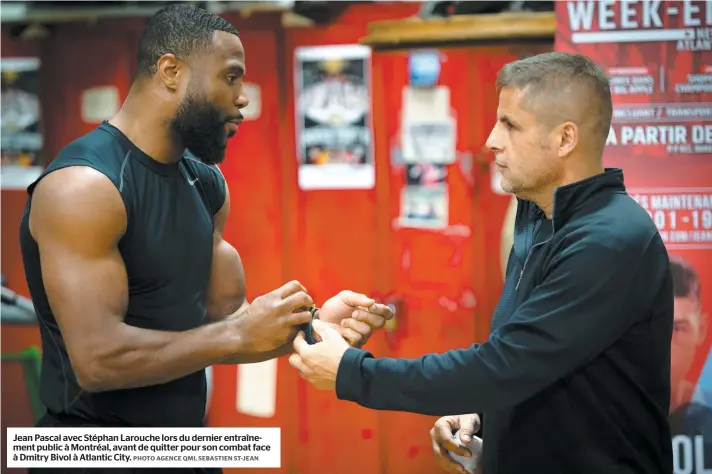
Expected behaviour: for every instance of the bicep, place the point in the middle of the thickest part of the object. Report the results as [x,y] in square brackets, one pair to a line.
[226,290]
[76,218]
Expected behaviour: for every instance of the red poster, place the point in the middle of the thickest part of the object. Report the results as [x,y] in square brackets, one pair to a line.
[658,55]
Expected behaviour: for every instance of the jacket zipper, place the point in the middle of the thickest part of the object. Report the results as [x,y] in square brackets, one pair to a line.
[521,273]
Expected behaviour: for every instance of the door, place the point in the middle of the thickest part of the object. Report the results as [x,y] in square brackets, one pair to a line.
[439,236]
[428,235]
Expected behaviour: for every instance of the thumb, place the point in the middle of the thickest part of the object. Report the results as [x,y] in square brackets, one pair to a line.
[354,299]
[325,332]
[466,435]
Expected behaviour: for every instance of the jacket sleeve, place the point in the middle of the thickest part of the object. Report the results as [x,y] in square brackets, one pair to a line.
[580,309]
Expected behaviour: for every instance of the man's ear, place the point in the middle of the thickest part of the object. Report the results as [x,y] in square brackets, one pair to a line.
[169,70]
[568,137]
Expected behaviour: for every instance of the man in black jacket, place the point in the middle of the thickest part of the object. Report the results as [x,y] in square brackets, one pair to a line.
[575,376]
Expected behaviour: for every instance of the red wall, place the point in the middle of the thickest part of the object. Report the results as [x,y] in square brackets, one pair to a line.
[270,220]
[329,240]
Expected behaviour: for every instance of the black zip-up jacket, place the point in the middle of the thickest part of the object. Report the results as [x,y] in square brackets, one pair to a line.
[575,376]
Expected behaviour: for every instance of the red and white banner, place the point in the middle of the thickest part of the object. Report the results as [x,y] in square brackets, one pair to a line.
[658,55]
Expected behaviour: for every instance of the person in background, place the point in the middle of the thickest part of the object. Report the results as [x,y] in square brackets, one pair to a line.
[575,375]
[690,413]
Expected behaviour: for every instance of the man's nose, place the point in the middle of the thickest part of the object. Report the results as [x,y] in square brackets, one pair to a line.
[493,142]
[242,100]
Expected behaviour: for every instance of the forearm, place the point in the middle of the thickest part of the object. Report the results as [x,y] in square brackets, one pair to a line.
[480,378]
[227,308]
[430,385]
[135,357]
[283,350]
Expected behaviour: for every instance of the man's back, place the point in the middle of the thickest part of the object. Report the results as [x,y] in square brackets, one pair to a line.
[166,252]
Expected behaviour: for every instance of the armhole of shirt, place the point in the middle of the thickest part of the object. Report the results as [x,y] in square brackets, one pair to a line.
[118,178]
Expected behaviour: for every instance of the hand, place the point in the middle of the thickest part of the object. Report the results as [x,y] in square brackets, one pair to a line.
[443,441]
[269,321]
[318,364]
[357,314]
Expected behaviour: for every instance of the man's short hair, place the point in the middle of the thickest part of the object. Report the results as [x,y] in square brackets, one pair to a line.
[181,29]
[563,87]
[685,281]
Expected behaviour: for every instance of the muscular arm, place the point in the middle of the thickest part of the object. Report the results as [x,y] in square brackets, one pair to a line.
[77,219]
[226,297]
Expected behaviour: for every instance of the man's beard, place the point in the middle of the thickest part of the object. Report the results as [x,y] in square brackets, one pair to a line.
[201,128]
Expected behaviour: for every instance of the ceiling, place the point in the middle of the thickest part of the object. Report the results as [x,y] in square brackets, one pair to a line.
[48,12]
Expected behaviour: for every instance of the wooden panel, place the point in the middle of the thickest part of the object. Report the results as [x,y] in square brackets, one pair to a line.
[461,28]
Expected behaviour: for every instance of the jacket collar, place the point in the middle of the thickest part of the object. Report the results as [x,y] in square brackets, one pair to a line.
[567,200]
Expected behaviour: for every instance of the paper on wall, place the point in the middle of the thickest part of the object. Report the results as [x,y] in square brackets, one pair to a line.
[99,103]
[431,142]
[428,129]
[424,207]
[254,95]
[257,388]
[423,104]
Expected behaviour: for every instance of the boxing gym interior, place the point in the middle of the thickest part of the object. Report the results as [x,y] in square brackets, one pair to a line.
[338,179]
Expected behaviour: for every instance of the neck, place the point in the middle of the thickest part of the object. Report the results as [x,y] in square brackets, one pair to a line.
[587,168]
[145,120]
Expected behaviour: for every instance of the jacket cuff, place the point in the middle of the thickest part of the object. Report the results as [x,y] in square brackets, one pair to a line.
[349,379]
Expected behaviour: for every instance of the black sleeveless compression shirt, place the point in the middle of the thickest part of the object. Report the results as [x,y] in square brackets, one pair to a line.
[167,249]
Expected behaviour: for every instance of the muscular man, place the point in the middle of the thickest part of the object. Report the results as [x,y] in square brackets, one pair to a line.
[575,376]
[136,290]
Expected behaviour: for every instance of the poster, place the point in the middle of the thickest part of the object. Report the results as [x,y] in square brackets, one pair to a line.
[428,129]
[333,117]
[424,207]
[20,122]
[683,216]
[658,56]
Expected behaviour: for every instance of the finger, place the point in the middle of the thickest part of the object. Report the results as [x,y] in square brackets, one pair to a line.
[297,300]
[290,288]
[386,311]
[325,332]
[339,329]
[295,319]
[353,338]
[374,320]
[469,425]
[299,344]
[356,299]
[445,462]
[358,326]
[444,429]
[296,361]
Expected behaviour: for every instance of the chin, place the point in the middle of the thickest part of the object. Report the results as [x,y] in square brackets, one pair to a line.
[507,186]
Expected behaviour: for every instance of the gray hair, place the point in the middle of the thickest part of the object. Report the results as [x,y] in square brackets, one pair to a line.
[563,87]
